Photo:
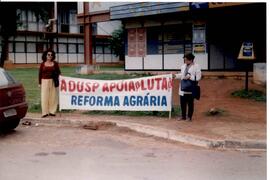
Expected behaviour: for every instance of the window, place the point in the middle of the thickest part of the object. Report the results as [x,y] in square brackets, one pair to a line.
[99,49]
[73,17]
[81,29]
[40,47]
[31,47]
[19,47]
[153,40]
[81,48]
[65,28]
[64,21]
[94,29]
[64,18]
[72,48]
[62,48]
[21,14]
[107,49]
[176,39]
[31,16]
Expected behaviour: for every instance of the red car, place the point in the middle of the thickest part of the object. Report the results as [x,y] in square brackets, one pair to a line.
[13,105]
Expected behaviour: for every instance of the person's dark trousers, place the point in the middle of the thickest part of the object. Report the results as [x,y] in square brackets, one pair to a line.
[187,100]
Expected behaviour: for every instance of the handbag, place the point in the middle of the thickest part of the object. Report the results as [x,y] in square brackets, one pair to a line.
[196,91]
[55,79]
[187,85]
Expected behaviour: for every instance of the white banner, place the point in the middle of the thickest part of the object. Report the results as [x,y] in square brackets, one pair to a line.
[141,94]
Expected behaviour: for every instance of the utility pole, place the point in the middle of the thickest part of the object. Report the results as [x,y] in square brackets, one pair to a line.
[88,56]
[56,24]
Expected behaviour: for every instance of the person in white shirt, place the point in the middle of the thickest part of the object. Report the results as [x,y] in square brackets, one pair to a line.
[190,73]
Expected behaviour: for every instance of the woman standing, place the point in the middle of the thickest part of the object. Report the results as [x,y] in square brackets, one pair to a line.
[49,72]
[190,74]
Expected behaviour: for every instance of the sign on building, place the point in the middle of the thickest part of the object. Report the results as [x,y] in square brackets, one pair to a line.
[246,51]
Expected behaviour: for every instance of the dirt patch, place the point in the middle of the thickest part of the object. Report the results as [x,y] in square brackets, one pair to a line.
[216,93]
[99,125]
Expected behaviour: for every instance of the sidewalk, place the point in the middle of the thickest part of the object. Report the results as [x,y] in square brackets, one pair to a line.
[209,134]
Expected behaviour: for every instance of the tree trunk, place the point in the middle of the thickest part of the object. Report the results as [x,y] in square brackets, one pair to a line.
[4,52]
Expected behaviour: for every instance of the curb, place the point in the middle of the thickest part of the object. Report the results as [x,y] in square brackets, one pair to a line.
[164,133]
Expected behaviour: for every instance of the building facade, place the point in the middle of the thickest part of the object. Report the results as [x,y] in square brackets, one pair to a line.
[158,33]
[62,33]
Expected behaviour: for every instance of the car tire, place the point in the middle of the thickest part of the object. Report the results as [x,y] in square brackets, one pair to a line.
[13,124]
[9,125]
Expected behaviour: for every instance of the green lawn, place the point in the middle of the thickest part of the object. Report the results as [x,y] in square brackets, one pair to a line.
[29,78]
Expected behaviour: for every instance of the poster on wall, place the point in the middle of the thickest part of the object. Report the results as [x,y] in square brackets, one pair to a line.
[199,39]
[198,33]
[132,42]
[141,42]
[199,48]
[137,42]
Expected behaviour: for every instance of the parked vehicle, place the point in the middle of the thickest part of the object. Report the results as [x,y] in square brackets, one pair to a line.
[13,105]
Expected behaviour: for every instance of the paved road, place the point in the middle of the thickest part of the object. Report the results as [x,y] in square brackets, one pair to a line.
[65,153]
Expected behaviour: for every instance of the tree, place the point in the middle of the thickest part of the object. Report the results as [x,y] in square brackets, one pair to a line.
[8,27]
[9,21]
[117,43]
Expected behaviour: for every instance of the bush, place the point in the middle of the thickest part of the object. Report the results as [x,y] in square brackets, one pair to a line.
[250,94]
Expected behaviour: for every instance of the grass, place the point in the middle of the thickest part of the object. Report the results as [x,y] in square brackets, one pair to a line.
[175,112]
[108,75]
[29,78]
[250,94]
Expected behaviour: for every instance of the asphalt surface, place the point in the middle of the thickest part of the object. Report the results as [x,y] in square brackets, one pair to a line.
[56,152]
[189,133]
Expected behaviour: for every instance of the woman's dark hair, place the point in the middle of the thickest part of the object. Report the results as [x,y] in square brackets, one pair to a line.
[44,55]
[189,56]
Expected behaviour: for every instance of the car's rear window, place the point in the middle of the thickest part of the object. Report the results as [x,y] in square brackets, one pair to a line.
[6,78]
